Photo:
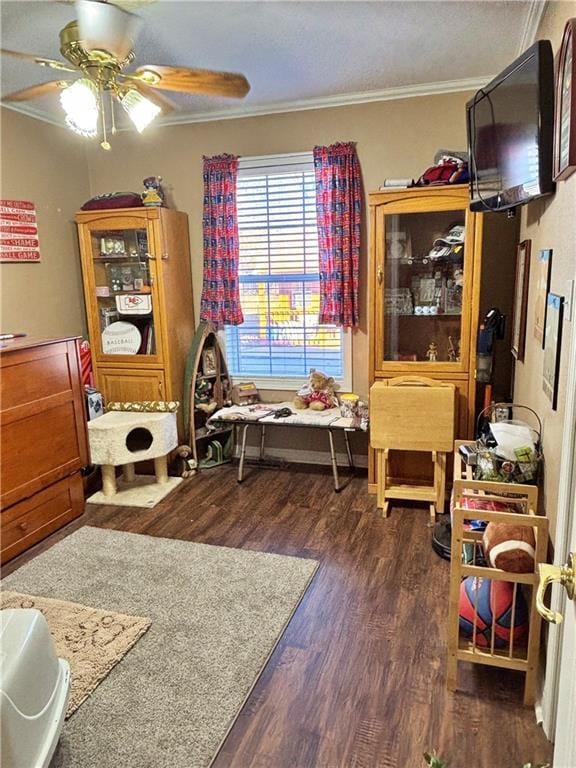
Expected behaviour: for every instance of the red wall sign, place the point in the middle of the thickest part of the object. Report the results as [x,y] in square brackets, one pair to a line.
[18,231]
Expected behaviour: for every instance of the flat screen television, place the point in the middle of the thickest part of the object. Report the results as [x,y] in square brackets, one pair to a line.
[510,133]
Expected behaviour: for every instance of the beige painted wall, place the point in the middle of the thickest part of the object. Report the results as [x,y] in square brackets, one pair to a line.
[549,223]
[46,165]
[394,139]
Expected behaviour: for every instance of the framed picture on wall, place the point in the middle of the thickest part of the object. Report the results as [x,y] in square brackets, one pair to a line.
[552,347]
[542,270]
[565,108]
[521,299]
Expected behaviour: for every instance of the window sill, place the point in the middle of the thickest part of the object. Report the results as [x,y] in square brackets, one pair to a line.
[283,384]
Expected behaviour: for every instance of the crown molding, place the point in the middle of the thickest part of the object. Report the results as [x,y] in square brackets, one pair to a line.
[531,23]
[342,100]
[327,102]
[36,114]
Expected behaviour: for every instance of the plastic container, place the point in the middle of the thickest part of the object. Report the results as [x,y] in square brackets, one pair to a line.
[34,689]
[348,404]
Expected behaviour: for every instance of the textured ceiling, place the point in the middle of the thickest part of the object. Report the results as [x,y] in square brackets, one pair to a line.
[295,54]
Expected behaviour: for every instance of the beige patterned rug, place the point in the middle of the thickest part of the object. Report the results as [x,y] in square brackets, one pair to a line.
[91,640]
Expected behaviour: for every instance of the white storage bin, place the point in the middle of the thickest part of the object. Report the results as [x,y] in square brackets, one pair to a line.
[34,689]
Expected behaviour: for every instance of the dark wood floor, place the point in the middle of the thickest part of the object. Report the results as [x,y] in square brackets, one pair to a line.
[358,679]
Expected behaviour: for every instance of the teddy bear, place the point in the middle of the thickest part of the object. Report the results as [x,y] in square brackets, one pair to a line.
[318,392]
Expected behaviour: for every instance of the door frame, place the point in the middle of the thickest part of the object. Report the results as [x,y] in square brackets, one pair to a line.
[565,524]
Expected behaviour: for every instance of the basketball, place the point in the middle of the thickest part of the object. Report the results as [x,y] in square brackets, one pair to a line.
[493,601]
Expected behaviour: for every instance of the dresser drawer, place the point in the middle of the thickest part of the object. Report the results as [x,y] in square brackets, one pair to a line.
[39,450]
[31,520]
[32,375]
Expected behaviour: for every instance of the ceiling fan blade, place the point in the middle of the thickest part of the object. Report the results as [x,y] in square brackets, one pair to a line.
[34,91]
[52,63]
[126,5]
[198,81]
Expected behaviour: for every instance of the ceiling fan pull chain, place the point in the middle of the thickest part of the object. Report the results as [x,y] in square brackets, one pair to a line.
[105,144]
[112,115]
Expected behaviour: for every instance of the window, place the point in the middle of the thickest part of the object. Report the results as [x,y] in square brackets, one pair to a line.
[280,339]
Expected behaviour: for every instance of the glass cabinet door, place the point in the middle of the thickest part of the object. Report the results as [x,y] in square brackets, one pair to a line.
[423,283]
[124,298]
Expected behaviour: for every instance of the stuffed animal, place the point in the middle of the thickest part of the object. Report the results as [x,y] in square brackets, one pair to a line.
[510,547]
[317,394]
[202,392]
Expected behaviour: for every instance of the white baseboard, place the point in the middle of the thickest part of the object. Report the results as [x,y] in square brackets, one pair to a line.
[297,456]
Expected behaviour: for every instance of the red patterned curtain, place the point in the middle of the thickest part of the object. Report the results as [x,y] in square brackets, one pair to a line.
[220,303]
[338,213]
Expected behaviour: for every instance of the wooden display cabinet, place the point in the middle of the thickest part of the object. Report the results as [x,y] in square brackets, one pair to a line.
[138,293]
[425,260]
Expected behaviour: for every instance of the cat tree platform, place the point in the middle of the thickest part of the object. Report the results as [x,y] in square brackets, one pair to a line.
[123,438]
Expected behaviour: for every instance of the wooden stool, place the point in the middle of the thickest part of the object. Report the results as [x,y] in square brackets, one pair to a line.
[412,413]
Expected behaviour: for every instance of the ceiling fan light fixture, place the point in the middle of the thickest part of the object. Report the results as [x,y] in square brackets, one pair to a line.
[80,103]
[106,28]
[139,109]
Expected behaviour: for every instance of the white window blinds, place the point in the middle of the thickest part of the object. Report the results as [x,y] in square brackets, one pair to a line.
[278,272]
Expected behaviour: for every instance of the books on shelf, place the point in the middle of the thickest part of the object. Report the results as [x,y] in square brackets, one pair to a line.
[147,345]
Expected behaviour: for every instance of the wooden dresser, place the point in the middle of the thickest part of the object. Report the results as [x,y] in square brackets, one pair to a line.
[43,443]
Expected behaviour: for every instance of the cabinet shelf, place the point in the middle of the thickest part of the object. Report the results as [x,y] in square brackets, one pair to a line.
[214,433]
[209,464]
[135,315]
[146,290]
[437,316]
[120,257]
[428,263]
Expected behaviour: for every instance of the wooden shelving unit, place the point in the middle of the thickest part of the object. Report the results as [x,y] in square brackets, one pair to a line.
[522,656]
[204,392]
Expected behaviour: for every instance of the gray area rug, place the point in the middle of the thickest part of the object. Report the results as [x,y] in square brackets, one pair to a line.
[216,614]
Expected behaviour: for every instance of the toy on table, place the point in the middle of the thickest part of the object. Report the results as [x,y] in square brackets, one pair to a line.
[432,352]
[245,393]
[318,393]
[153,194]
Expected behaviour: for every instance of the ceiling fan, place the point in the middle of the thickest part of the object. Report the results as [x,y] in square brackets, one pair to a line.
[100,45]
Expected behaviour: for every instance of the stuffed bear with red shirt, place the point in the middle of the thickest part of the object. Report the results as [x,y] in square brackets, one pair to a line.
[318,392]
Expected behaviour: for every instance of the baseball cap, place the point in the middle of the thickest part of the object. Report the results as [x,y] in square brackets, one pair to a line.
[455,236]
